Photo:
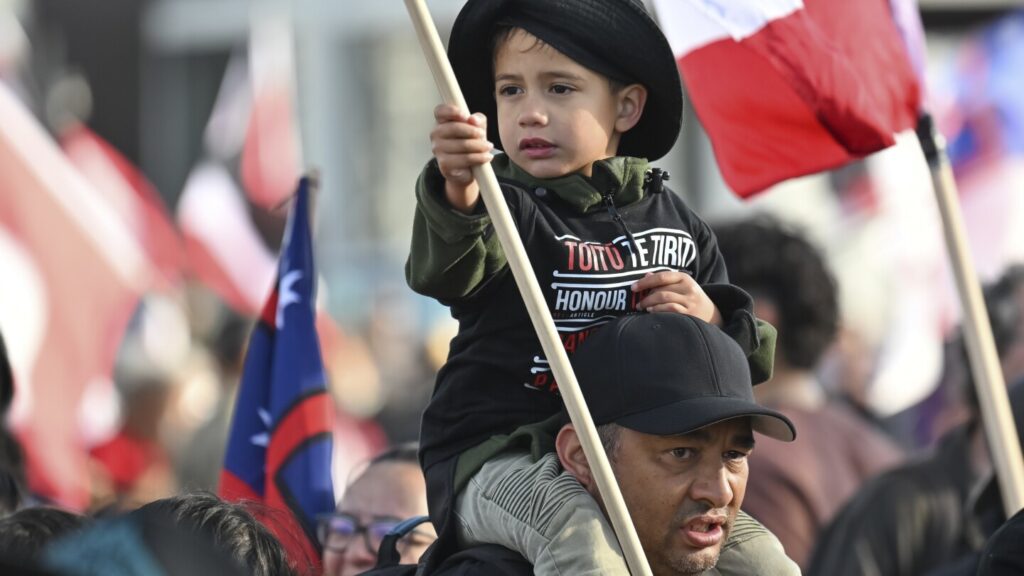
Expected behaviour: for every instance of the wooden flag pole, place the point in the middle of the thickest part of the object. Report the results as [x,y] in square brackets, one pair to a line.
[430,42]
[981,349]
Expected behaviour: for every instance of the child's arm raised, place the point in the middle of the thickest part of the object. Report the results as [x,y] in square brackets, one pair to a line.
[452,252]
[459,142]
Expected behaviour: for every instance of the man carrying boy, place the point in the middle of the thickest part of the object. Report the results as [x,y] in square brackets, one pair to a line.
[579,94]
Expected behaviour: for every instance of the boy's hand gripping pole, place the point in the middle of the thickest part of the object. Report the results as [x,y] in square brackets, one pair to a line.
[430,42]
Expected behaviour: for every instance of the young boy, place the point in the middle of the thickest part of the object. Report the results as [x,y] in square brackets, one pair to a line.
[578,94]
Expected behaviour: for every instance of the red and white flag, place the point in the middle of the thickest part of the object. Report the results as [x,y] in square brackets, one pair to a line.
[272,153]
[131,194]
[224,250]
[71,272]
[786,88]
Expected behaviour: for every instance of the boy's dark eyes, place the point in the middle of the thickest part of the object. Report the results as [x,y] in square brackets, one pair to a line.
[509,90]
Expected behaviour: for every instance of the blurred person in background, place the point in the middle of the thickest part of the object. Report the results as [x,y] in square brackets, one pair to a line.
[25,533]
[930,516]
[797,488]
[12,459]
[133,467]
[174,537]
[390,490]
[956,404]
[1005,303]
[935,512]
[200,460]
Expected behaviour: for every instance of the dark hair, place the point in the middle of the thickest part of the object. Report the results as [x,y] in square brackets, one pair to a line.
[610,434]
[229,342]
[26,532]
[406,452]
[773,262]
[232,528]
[1003,300]
[10,492]
[6,380]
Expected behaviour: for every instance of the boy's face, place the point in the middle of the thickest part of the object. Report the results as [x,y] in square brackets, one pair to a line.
[555,117]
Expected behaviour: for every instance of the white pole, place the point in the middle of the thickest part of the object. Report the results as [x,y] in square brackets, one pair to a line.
[989,383]
[430,42]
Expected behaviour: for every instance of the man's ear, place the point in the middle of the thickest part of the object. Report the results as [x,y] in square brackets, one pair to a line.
[632,100]
[570,454]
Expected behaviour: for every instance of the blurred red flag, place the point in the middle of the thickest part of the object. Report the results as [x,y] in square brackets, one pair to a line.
[271,154]
[225,252]
[786,88]
[71,276]
[270,162]
[130,194]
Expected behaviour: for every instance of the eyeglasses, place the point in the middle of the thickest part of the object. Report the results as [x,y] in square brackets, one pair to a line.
[337,531]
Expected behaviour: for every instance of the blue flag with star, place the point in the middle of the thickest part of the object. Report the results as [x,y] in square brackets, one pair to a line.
[279,447]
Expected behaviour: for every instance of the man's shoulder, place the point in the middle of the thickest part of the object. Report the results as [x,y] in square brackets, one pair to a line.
[753,549]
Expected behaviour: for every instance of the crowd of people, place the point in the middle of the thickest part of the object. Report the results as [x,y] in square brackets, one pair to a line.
[938,512]
[697,350]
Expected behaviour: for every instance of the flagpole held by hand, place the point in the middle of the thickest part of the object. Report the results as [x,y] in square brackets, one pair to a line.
[989,383]
[518,261]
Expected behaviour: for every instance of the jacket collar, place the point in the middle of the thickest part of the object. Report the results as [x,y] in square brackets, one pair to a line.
[622,175]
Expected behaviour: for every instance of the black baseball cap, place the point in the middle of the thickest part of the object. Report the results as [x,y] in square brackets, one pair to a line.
[616,38]
[667,374]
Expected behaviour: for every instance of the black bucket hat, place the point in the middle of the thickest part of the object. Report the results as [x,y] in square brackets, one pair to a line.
[667,374]
[616,38]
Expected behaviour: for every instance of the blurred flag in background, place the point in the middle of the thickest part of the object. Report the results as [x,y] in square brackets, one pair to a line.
[984,120]
[988,119]
[786,88]
[225,250]
[71,272]
[272,152]
[229,255]
[279,448]
[129,192]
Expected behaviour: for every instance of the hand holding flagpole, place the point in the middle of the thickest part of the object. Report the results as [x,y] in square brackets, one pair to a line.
[504,226]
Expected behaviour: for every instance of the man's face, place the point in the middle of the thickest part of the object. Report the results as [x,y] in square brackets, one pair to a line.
[386,493]
[683,492]
[555,117]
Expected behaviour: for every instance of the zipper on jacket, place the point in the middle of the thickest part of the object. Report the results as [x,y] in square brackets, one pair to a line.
[609,204]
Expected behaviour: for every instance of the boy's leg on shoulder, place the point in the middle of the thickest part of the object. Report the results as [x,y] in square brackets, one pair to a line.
[540,511]
[753,549]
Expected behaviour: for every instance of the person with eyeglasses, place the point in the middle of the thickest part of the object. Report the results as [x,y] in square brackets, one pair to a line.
[389,491]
